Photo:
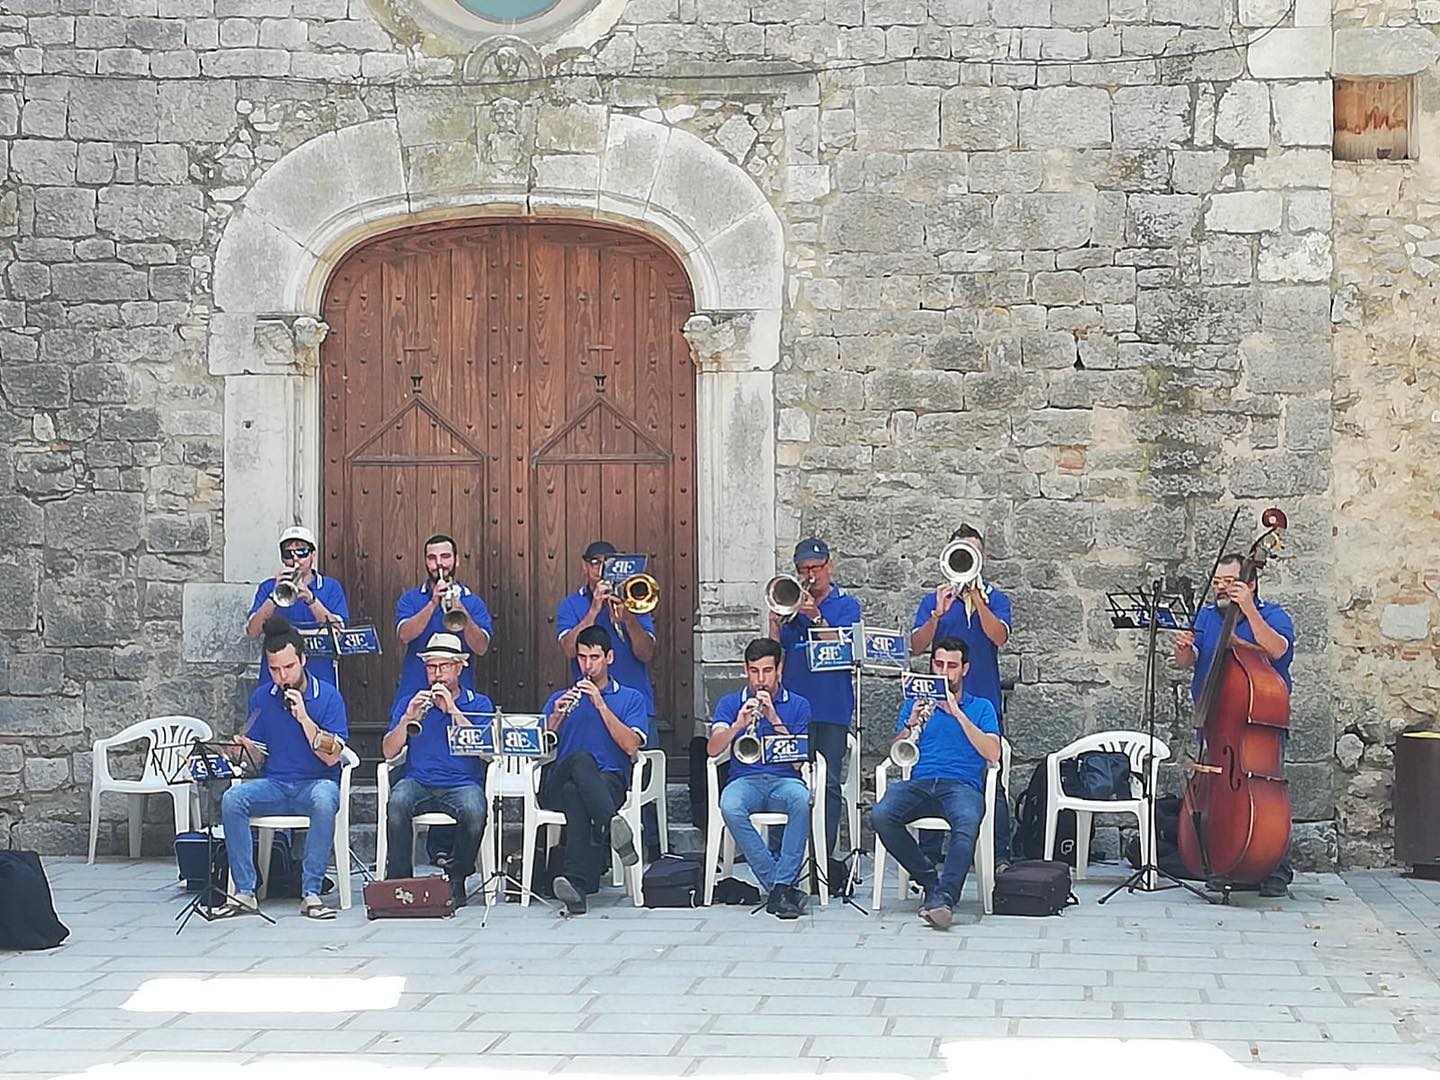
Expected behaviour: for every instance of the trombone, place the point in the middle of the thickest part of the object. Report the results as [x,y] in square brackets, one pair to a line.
[639,593]
[961,563]
[906,752]
[747,747]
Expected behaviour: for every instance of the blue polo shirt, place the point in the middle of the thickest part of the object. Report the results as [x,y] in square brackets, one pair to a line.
[1207,634]
[428,759]
[584,730]
[983,679]
[289,755]
[412,670]
[794,713]
[330,593]
[625,668]
[946,753]
[831,694]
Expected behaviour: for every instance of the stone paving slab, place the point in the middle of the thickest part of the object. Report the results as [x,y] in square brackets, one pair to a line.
[1342,978]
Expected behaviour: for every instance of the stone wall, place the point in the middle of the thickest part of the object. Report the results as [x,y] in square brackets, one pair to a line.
[1062,269]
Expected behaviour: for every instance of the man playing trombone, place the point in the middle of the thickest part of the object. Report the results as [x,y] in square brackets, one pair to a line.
[950,743]
[435,780]
[601,727]
[831,694]
[306,598]
[763,708]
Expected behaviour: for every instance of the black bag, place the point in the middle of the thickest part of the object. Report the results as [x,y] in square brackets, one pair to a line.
[27,913]
[1167,840]
[674,881]
[1033,887]
[1100,774]
[730,890]
[1030,822]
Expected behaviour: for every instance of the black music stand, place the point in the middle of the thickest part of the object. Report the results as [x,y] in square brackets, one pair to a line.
[1150,610]
[201,766]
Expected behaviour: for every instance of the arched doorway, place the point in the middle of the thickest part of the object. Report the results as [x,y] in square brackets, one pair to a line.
[525,387]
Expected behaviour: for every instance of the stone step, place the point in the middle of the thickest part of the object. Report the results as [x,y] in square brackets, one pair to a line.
[685,839]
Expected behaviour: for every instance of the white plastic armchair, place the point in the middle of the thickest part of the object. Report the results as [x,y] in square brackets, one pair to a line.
[647,785]
[517,778]
[434,817]
[168,741]
[268,824]
[1136,746]
[851,790]
[984,863]
[720,845]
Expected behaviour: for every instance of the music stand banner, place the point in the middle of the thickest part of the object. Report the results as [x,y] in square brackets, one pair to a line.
[887,649]
[830,648]
[616,568]
[918,687]
[476,739]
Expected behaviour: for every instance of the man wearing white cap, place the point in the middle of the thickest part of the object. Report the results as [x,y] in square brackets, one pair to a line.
[436,781]
[319,600]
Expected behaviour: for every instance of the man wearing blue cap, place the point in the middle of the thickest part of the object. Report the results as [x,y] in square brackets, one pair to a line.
[831,693]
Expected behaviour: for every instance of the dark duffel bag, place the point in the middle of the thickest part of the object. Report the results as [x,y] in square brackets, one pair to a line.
[27,914]
[1033,887]
[409,898]
[674,881]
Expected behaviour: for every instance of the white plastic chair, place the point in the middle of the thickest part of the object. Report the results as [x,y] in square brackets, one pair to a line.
[851,788]
[268,824]
[1136,746]
[720,845]
[984,863]
[419,821]
[168,742]
[647,785]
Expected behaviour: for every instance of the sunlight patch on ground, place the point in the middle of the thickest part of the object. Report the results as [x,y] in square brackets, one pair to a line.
[240,993]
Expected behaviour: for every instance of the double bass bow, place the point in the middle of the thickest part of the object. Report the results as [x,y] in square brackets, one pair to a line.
[1235,816]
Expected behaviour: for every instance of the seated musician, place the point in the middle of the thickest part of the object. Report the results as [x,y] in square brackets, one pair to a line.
[956,743]
[297,727]
[435,780]
[761,787]
[319,600]
[601,726]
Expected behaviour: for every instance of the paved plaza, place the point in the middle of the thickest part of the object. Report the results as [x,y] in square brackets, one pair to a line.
[1343,978]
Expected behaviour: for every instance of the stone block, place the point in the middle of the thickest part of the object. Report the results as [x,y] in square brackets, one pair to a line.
[1161,220]
[1196,315]
[1244,211]
[1022,12]
[40,386]
[1061,287]
[1048,351]
[97,282]
[1044,221]
[1048,529]
[65,212]
[177,533]
[213,623]
[1151,116]
[20,587]
[979,118]
[46,774]
[42,716]
[927,391]
[1298,311]
[1242,117]
[1381,51]
[43,161]
[1064,116]
[1013,171]
[1294,258]
[1312,797]
[1303,113]
[111,706]
[130,425]
[1109,284]
[1287,52]
[1279,473]
[21,522]
[1406,622]
[1042,717]
[690,165]
[897,118]
[191,111]
[575,128]
[880,223]
[143,212]
[98,521]
[79,612]
[114,110]
[961,223]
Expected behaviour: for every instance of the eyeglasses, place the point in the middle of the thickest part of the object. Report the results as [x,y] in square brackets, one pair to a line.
[292,554]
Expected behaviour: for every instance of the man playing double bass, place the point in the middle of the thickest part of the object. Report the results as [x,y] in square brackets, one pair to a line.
[1263,625]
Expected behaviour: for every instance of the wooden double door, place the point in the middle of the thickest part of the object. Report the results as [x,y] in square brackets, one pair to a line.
[525,388]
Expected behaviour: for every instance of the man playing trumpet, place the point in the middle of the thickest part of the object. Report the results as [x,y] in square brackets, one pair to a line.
[435,780]
[764,708]
[601,727]
[297,727]
[954,742]
[313,600]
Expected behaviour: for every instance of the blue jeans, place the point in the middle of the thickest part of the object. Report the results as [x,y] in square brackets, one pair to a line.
[788,795]
[464,802]
[962,807]
[830,744]
[933,843]
[319,800]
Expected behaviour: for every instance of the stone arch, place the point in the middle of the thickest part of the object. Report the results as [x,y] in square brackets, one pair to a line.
[334,191]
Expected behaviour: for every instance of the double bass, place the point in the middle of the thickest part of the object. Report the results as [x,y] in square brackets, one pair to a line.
[1235,816]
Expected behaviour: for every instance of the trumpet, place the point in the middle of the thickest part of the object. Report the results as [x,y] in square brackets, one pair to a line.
[747,747]
[784,594]
[906,752]
[414,727]
[453,617]
[287,588]
[961,563]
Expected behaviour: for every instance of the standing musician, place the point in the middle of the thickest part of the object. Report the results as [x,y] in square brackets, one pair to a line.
[754,788]
[1262,625]
[985,631]
[601,726]
[435,780]
[319,600]
[297,727]
[831,694]
[956,742]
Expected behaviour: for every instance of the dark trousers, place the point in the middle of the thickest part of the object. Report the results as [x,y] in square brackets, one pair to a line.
[829,740]
[465,803]
[588,798]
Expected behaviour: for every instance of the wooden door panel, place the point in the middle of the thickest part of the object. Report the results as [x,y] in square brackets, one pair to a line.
[512,444]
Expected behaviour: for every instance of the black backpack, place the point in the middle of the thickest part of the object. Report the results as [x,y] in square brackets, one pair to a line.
[674,881]
[1030,822]
[27,913]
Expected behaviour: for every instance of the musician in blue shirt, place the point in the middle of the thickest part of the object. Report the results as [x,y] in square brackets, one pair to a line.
[957,740]
[319,601]
[601,727]
[297,728]
[831,693]
[1262,625]
[420,612]
[754,788]
[435,780]
[632,635]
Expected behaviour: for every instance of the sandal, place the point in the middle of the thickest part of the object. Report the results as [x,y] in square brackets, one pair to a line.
[313,908]
[231,908]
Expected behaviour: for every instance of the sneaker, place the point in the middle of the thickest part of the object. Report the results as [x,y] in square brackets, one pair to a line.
[786,906]
[623,841]
[458,898]
[570,896]
[1272,889]
[798,899]
[776,901]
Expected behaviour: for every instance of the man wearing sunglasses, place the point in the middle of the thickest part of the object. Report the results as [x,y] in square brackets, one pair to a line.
[319,600]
